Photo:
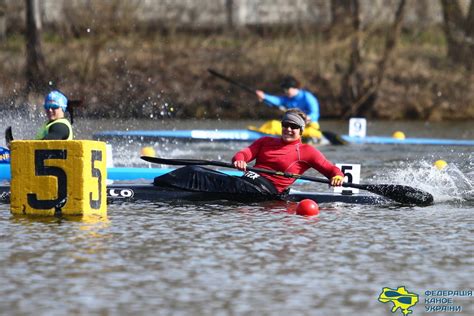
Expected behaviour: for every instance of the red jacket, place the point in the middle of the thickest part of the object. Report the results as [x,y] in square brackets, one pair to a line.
[296,157]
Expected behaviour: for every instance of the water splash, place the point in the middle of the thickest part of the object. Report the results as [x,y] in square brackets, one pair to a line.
[450,184]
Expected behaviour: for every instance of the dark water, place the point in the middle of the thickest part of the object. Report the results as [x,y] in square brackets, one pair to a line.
[225,258]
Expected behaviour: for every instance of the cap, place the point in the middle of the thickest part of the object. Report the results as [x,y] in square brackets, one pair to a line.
[289,82]
[294,118]
[55,99]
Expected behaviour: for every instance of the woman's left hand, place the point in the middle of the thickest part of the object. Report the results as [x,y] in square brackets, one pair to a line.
[241,165]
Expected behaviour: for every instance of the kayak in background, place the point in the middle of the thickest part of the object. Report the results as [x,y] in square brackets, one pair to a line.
[187,135]
[311,134]
[4,155]
[251,135]
[387,140]
[121,173]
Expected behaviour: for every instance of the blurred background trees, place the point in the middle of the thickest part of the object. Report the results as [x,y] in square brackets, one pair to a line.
[35,69]
[459,31]
[383,59]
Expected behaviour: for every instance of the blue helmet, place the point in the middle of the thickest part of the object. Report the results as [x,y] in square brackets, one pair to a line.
[54,100]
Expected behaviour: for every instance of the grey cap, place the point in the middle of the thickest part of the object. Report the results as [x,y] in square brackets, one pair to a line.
[294,118]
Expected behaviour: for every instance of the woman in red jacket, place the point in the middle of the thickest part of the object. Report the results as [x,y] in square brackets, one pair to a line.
[286,154]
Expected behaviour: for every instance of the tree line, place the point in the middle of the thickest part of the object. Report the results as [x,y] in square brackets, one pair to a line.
[359,85]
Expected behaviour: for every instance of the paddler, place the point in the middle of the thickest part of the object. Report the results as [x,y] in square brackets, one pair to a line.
[57,127]
[287,154]
[295,98]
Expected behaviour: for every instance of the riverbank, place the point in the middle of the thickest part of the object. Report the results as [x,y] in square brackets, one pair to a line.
[165,75]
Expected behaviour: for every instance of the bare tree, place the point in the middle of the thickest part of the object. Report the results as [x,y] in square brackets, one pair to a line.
[341,17]
[359,91]
[351,83]
[459,32]
[35,64]
[3,18]
[229,7]
[37,13]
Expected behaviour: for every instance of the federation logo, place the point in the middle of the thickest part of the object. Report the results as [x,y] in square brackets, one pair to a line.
[400,298]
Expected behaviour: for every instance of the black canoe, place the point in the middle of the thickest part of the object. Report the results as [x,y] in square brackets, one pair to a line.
[152,193]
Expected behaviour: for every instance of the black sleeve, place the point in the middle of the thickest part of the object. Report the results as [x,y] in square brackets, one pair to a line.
[58,131]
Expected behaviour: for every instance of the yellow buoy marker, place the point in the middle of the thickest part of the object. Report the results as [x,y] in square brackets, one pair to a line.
[56,178]
[148,151]
[398,135]
[440,164]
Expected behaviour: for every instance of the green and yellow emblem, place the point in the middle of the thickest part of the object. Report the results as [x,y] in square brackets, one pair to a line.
[400,298]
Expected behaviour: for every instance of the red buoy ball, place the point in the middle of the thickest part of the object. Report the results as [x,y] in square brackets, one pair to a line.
[307,207]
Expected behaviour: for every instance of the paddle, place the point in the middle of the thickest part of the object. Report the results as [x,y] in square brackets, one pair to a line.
[5,152]
[71,105]
[8,136]
[238,84]
[333,138]
[399,193]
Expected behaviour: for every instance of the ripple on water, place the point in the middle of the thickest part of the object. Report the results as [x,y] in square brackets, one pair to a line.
[229,258]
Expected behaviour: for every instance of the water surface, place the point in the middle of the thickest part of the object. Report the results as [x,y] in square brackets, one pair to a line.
[224,258]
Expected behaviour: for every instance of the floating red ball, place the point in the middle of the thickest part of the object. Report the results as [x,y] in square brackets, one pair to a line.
[307,207]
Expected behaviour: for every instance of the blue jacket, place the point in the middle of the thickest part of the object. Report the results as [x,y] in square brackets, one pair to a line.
[304,100]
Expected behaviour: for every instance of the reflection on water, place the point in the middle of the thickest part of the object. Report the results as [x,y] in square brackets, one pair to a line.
[229,258]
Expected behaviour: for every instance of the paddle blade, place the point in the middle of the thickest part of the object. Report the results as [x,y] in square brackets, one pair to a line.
[174,162]
[75,103]
[71,105]
[186,162]
[401,193]
[8,135]
[234,82]
[334,138]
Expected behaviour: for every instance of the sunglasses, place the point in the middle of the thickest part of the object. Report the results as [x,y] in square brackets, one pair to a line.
[290,125]
[51,106]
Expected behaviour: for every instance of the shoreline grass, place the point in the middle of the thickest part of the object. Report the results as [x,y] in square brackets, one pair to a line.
[143,74]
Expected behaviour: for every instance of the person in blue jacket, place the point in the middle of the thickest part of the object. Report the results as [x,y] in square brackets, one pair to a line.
[295,97]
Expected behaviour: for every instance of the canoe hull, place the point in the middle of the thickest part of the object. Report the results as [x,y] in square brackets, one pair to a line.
[151,193]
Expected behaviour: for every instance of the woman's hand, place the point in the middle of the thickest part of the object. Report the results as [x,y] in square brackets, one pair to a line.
[337,181]
[260,95]
[241,165]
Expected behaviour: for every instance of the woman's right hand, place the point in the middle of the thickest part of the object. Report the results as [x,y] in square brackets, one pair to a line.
[241,165]
[337,181]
